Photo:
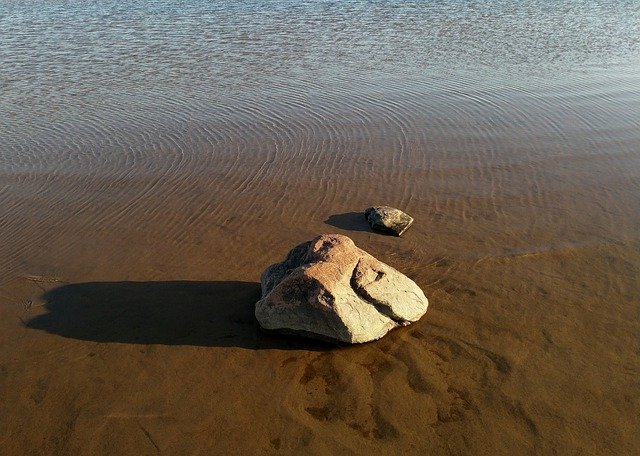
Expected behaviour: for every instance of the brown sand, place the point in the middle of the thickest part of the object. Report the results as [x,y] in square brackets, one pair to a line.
[130,270]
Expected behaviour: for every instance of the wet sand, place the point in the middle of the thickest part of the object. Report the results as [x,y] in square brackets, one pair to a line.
[135,226]
[127,300]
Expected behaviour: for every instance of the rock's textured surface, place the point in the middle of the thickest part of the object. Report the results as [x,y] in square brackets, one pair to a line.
[388,219]
[330,289]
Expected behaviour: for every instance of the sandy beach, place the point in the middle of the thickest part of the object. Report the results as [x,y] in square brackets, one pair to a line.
[135,225]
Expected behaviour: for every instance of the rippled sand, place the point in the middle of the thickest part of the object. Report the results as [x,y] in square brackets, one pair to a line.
[142,195]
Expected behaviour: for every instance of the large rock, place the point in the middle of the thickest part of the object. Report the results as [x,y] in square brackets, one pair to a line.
[330,289]
[388,219]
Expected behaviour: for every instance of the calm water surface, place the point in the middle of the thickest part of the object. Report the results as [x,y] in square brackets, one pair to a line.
[241,89]
[66,66]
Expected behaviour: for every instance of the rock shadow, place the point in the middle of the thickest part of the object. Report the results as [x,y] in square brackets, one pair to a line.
[352,221]
[210,314]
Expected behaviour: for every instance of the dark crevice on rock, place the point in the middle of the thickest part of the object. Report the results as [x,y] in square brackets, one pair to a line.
[379,305]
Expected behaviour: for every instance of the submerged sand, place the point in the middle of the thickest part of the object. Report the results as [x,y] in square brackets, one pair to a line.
[131,258]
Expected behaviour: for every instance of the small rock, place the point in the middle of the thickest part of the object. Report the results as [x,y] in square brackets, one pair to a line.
[330,289]
[388,219]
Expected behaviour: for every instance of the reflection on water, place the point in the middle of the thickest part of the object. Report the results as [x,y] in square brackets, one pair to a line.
[77,55]
[78,74]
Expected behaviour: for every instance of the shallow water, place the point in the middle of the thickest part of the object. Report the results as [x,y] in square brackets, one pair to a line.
[157,156]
